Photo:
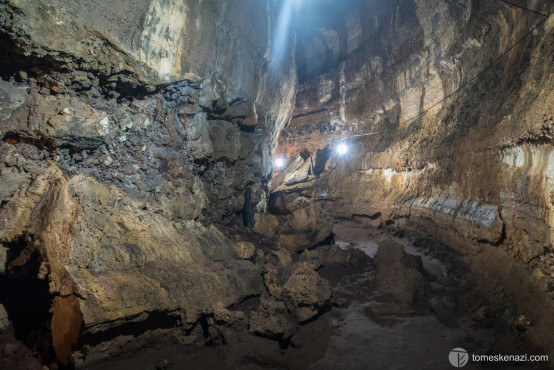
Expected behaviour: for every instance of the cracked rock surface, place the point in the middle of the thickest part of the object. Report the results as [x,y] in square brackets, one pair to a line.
[127,145]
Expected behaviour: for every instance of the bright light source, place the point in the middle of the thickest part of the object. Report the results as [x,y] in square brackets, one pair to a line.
[342,148]
[279,162]
[282,39]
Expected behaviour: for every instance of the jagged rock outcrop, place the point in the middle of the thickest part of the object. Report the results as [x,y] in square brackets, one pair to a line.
[306,293]
[125,138]
[270,321]
[306,227]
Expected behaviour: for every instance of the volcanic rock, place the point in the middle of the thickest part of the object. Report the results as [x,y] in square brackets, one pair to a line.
[270,321]
[306,293]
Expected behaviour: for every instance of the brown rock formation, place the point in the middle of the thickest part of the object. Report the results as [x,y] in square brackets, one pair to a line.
[270,321]
[135,135]
[458,100]
[305,293]
[399,275]
[124,139]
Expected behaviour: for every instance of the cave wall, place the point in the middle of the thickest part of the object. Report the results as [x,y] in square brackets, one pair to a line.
[130,131]
[473,169]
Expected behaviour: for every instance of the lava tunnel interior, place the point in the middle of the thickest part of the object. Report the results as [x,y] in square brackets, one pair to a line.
[282,184]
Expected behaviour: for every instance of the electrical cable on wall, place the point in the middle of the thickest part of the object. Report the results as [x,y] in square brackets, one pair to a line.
[471,79]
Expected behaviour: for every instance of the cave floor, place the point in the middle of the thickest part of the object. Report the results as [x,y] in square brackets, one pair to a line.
[372,336]
[361,330]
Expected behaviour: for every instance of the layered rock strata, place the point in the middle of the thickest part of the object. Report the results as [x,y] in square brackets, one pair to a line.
[457,97]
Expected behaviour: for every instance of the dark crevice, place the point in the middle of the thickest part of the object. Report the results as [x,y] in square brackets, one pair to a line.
[12,61]
[371,217]
[321,158]
[122,85]
[502,238]
[541,140]
[237,101]
[155,320]
[27,299]
[15,247]
[244,300]
[310,113]
[124,90]
[276,204]
[250,129]
[45,143]
[49,144]
[329,240]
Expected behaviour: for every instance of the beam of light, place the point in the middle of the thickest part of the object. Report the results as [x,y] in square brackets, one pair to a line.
[282,31]
[342,148]
[280,162]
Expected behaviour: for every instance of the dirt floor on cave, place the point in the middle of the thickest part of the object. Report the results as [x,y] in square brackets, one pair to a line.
[360,330]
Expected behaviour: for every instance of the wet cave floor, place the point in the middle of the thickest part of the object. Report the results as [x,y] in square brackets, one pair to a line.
[454,313]
[363,329]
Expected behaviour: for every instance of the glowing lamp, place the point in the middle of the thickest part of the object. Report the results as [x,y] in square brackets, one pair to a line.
[342,148]
[279,162]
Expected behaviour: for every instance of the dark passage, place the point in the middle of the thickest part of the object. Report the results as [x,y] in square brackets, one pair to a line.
[27,300]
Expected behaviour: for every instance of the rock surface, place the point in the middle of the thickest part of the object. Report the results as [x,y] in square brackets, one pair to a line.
[4,320]
[399,275]
[305,293]
[306,228]
[269,320]
[442,167]
[457,149]
[244,250]
[126,145]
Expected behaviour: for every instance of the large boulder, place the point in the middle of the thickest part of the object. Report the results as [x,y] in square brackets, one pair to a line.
[306,293]
[398,275]
[270,321]
[391,252]
[266,224]
[306,228]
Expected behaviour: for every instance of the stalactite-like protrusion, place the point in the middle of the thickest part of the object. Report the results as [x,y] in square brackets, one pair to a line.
[248,208]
